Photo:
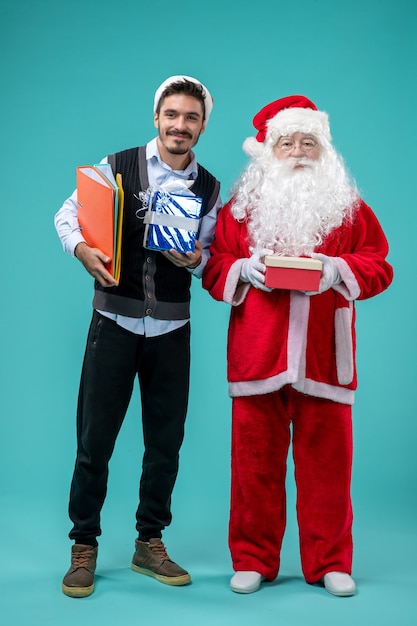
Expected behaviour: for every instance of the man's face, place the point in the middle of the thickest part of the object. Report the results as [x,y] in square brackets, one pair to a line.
[297,146]
[180,123]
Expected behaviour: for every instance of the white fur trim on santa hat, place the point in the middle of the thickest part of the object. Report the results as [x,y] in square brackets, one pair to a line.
[298,120]
[208,99]
[287,122]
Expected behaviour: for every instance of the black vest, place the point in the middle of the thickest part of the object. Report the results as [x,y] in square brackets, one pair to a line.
[149,283]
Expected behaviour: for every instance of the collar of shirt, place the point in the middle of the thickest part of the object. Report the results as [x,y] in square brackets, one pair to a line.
[159,172]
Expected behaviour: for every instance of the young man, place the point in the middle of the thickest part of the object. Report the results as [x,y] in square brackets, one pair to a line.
[291,354]
[140,327]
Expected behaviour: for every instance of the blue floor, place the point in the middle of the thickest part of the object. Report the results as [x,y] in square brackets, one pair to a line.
[35,557]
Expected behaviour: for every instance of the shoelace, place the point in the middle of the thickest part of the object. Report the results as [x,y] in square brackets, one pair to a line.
[160,551]
[82,559]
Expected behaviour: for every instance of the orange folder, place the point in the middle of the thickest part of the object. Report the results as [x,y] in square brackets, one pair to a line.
[100,212]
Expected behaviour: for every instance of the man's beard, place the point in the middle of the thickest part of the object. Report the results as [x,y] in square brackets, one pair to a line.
[177,149]
[292,204]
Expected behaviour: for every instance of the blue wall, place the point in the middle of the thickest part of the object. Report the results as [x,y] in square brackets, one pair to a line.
[78,78]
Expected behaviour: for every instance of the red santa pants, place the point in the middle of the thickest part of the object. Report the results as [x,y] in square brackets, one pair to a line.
[322,451]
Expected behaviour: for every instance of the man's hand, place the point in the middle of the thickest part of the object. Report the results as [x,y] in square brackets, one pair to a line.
[191,260]
[94,261]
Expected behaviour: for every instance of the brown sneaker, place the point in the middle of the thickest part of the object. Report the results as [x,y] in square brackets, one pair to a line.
[79,580]
[152,559]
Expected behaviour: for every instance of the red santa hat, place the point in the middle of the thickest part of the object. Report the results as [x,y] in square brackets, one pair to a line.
[208,100]
[284,117]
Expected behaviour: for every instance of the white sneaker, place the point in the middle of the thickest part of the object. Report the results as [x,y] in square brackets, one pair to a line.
[339,584]
[246,582]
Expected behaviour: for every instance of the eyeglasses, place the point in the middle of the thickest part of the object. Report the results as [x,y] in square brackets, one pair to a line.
[286,144]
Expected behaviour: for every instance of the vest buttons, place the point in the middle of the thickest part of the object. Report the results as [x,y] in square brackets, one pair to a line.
[147,277]
[148,311]
[150,295]
[148,259]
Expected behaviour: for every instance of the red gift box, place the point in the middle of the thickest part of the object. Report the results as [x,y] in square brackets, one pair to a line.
[288,272]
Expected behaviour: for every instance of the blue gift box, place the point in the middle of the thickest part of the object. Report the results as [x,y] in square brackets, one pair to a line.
[172,221]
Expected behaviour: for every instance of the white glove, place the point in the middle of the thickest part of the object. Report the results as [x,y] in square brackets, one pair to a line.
[253,270]
[329,275]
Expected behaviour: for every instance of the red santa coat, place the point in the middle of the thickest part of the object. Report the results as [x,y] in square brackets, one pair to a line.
[287,337]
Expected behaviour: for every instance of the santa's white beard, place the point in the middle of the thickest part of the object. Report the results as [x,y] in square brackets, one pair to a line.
[291,209]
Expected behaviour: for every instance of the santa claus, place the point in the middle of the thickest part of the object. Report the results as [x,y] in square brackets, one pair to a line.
[291,353]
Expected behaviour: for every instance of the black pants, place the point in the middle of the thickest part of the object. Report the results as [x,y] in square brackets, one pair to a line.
[112,360]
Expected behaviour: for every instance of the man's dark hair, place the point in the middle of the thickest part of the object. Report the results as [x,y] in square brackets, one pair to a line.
[186,87]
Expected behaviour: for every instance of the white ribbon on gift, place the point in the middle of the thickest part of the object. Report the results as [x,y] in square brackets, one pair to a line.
[174,221]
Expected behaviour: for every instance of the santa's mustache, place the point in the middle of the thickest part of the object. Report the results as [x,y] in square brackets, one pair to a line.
[293,162]
[289,167]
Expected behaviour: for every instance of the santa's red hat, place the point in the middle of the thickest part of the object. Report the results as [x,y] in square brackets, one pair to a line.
[283,117]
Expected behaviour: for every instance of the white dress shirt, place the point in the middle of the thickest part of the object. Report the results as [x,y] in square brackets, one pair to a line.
[159,173]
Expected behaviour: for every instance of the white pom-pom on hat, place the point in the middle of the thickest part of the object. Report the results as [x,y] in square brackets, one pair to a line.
[252,147]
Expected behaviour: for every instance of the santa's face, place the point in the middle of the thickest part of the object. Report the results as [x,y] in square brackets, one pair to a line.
[297,146]
[293,195]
